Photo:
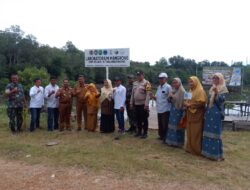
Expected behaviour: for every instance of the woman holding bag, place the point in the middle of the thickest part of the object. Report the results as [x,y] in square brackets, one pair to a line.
[212,147]
[107,108]
[195,115]
[176,135]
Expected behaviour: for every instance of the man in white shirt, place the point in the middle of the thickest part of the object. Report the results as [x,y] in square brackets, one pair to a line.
[163,106]
[52,104]
[119,99]
[36,103]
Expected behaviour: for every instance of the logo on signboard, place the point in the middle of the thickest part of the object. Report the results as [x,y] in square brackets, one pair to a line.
[105,52]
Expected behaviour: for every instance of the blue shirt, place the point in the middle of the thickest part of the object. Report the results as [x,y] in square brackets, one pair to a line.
[162,104]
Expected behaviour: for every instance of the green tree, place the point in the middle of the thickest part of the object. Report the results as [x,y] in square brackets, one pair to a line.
[28,75]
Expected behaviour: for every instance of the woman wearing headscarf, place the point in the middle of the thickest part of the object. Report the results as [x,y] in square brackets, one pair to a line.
[107,108]
[175,135]
[212,147]
[195,115]
[92,99]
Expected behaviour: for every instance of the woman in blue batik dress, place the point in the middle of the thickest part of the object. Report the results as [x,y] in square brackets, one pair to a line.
[212,147]
[176,135]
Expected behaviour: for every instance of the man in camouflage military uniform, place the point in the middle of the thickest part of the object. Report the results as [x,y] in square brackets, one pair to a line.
[140,102]
[130,112]
[81,107]
[65,95]
[14,92]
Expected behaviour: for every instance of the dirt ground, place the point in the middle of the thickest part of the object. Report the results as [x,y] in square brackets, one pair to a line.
[15,175]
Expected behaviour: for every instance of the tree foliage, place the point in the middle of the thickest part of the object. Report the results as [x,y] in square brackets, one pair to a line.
[23,54]
[28,75]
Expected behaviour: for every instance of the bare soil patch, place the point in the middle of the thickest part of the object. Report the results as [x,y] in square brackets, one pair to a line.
[15,175]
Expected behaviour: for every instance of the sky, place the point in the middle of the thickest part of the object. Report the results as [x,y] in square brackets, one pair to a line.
[214,30]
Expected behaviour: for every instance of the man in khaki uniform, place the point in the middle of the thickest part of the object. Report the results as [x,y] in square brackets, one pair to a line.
[81,107]
[65,95]
[140,102]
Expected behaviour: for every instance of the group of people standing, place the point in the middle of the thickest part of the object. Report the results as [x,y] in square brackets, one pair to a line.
[200,115]
[134,98]
[177,109]
[59,104]
[112,101]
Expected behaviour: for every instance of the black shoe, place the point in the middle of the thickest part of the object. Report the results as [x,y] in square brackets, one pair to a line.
[137,134]
[144,136]
[128,130]
[19,130]
[131,129]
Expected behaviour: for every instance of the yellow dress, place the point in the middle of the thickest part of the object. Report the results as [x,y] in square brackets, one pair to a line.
[195,117]
[92,99]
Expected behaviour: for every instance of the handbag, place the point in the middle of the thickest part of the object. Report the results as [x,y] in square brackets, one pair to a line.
[183,122]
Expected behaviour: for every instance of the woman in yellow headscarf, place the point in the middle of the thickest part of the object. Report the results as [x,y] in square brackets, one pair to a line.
[212,146]
[195,115]
[92,99]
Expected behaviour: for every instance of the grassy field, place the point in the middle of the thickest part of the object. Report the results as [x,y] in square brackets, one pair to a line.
[149,159]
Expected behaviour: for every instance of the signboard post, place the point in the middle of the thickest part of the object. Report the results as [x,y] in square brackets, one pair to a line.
[107,72]
[107,58]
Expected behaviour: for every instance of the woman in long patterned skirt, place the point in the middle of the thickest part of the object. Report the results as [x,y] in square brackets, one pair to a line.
[212,147]
[176,135]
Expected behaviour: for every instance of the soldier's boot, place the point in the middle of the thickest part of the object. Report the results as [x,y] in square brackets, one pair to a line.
[13,130]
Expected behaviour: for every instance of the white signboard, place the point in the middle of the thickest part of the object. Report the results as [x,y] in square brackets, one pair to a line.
[236,77]
[107,57]
[232,75]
